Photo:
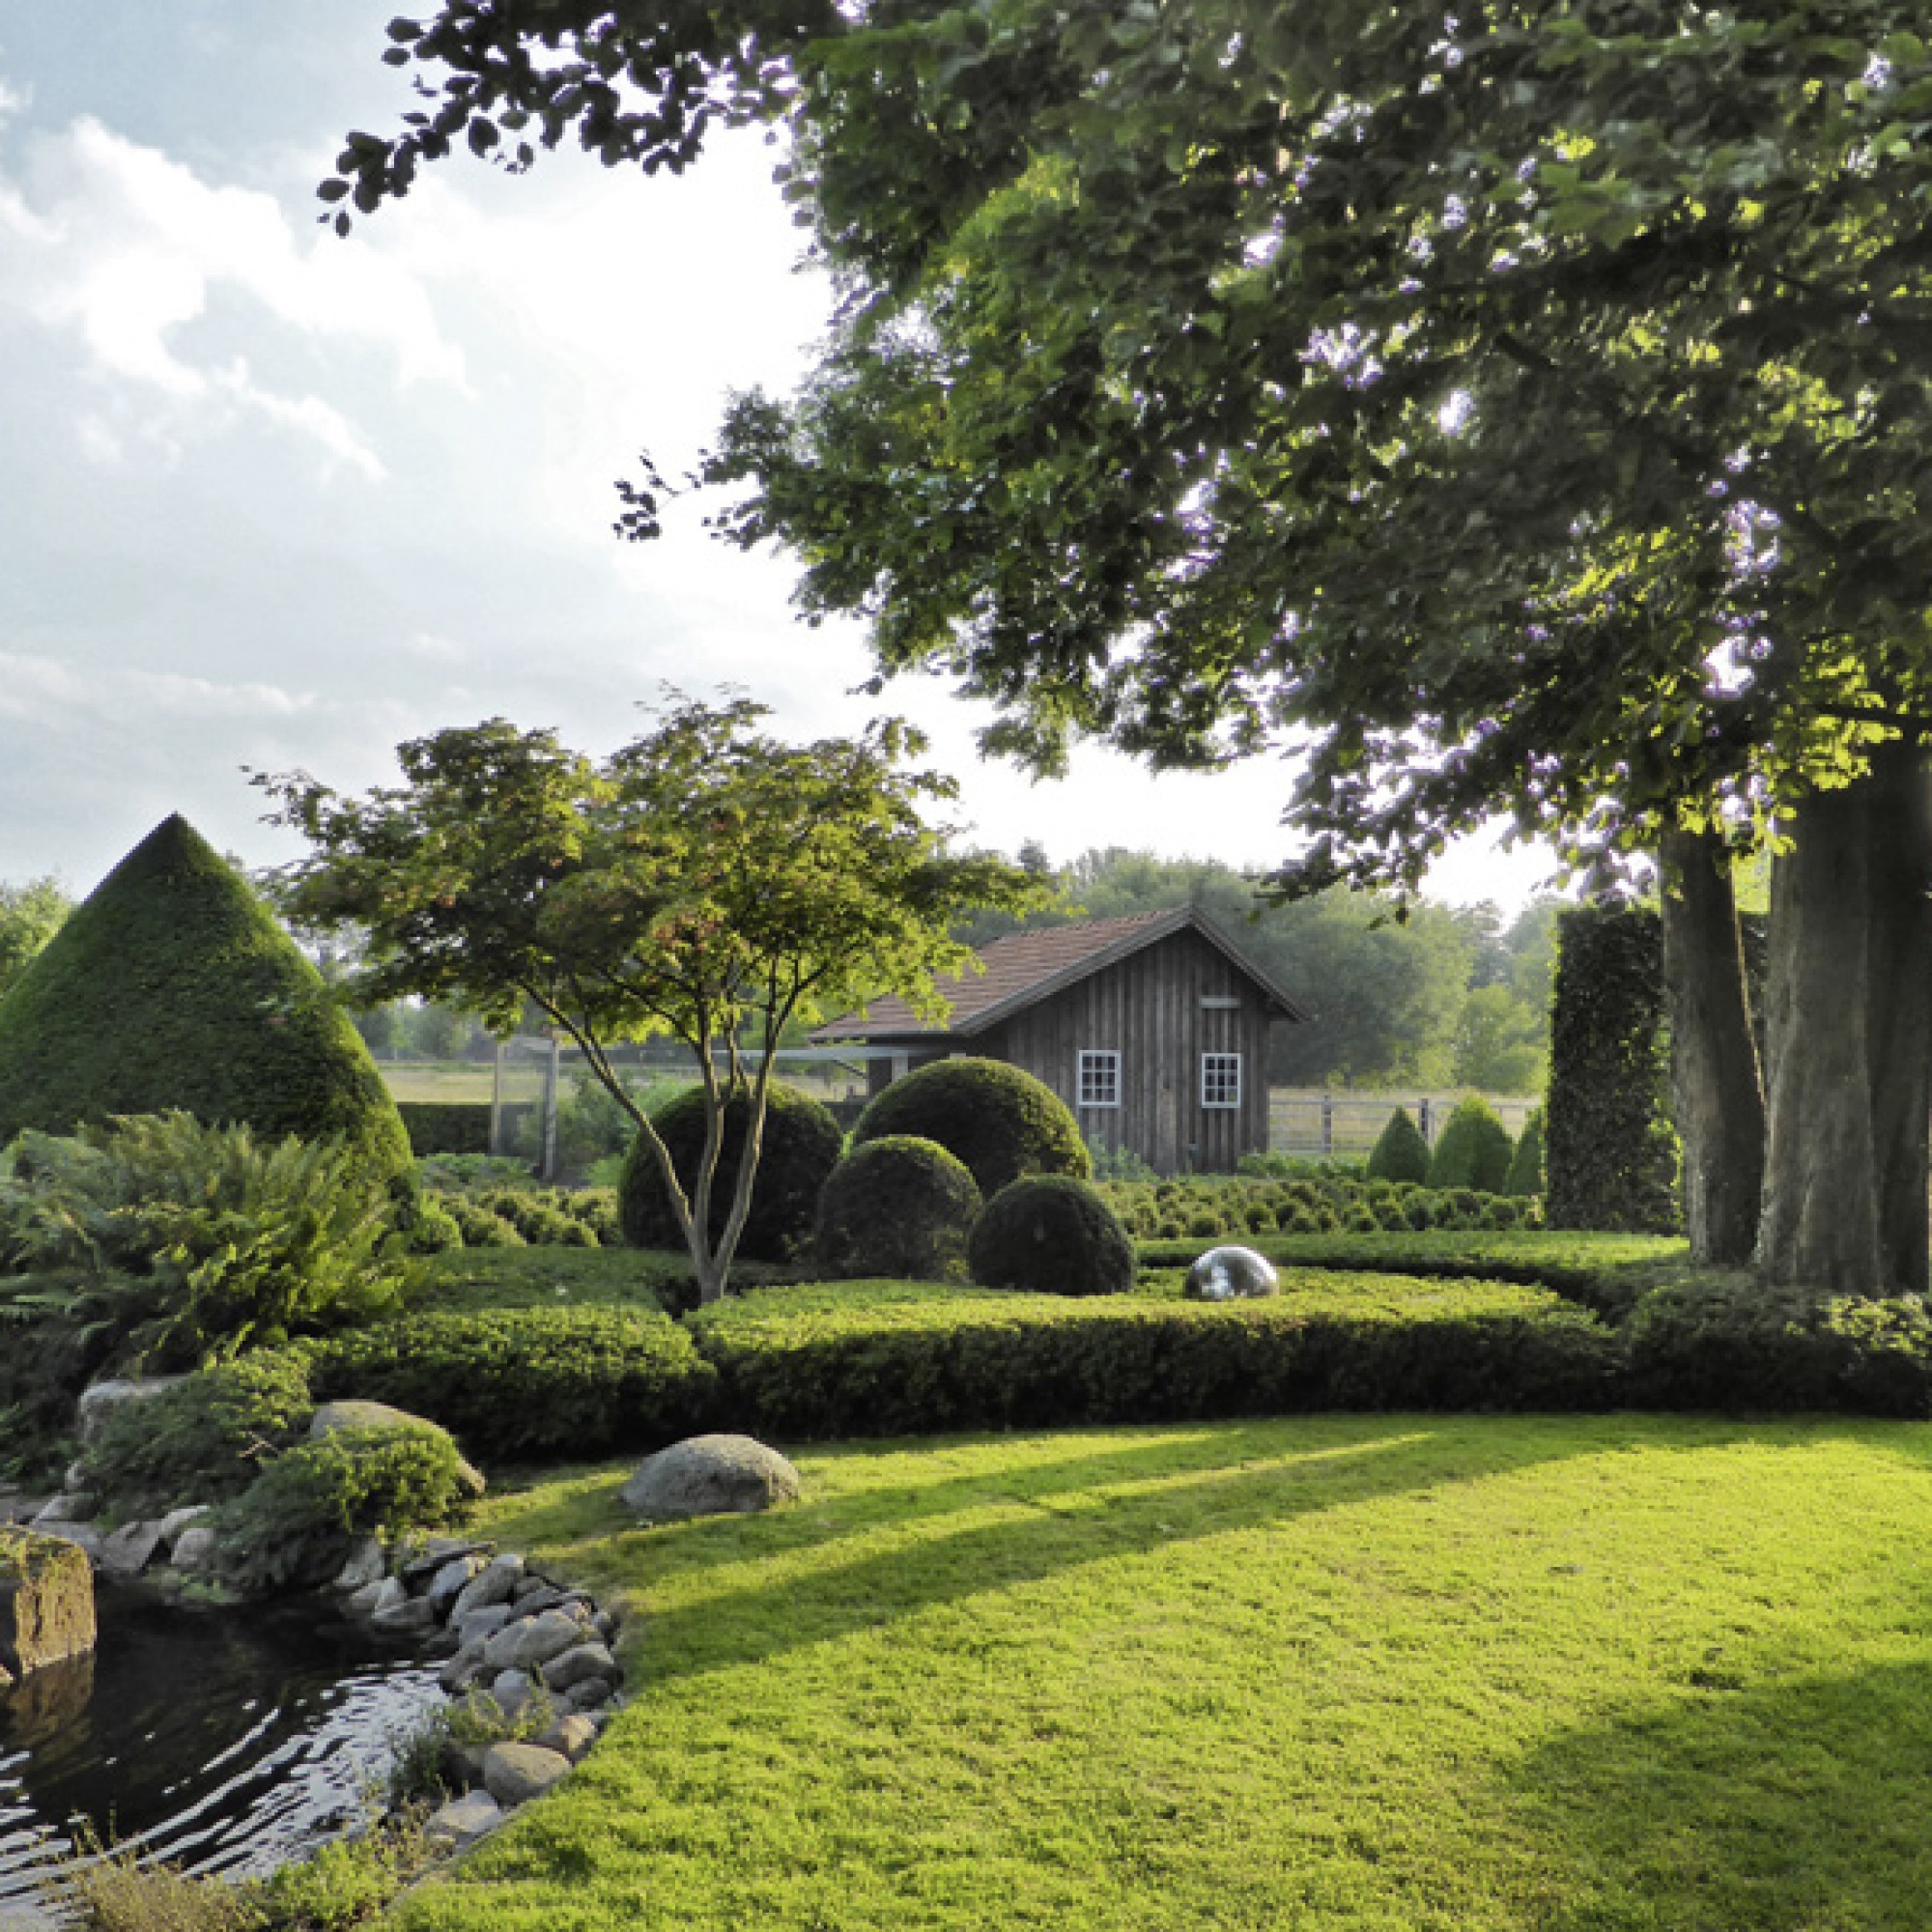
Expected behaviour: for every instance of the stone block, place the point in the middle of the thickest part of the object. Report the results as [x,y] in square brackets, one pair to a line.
[46,1601]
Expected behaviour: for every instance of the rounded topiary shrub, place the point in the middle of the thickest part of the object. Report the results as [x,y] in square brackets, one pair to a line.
[1052,1234]
[801,1147]
[1000,1120]
[1474,1150]
[1400,1153]
[899,1205]
[172,987]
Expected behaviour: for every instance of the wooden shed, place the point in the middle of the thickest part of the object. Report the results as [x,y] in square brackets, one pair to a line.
[1154,1029]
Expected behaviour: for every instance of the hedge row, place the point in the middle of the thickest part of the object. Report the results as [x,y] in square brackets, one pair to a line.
[1234,1207]
[446,1126]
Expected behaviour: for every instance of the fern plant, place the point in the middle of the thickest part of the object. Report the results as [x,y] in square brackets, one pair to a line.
[185,1242]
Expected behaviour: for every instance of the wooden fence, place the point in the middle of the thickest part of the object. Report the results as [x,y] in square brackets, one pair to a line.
[1345,1126]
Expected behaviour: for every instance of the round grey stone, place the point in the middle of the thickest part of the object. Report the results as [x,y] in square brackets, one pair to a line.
[710,1475]
[1231,1274]
[513,1773]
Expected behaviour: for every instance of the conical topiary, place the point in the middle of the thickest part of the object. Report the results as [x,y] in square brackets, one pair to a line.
[1474,1150]
[1400,1153]
[1525,1175]
[173,986]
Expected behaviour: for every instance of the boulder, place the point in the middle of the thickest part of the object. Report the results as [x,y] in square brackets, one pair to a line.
[530,1642]
[100,1400]
[581,1661]
[710,1475]
[496,1584]
[362,1566]
[449,1582]
[513,1773]
[588,1695]
[176,1521]
[130,1548]
[1231,1274]
[569,1737]
[423,1557]
[69,1506]
[409,1618]
[46,1599]
[463,1669]
[475,1625]
[511,1691]
[463,1820]
[196,1548]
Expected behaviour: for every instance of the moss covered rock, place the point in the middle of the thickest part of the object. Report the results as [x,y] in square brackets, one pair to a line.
[800,1145]
[999,1120]
[46,1599]
[172,986]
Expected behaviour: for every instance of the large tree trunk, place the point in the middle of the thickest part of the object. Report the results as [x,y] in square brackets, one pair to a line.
[1720,1095]
[1899,1023]
[1848,1038]
[1820,1223]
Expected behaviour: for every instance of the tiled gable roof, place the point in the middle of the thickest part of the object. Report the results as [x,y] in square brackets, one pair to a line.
[1024,966]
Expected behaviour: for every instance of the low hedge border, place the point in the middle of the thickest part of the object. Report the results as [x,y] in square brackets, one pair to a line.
[791,1366]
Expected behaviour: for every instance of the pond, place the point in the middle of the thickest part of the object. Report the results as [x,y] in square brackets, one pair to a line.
[220,1740]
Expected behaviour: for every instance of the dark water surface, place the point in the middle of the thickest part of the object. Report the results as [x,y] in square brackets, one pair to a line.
[223,1741]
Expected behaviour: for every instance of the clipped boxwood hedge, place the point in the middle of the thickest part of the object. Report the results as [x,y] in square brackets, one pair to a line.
[446,1126]
[995,1360]
[529,1382]
[1053,1233]
[172,986]
[898,1205]
[998,1118]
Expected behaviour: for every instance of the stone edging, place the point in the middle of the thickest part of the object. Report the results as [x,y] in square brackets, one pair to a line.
[517,1635]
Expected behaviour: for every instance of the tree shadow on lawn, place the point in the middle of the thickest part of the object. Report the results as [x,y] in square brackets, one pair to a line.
[1086,1505]
[1796,1805]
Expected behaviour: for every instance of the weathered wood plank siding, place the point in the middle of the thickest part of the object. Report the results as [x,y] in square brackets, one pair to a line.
[1148,1008]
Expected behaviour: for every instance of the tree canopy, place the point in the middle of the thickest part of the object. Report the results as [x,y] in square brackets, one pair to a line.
[705,881]
[1514,408]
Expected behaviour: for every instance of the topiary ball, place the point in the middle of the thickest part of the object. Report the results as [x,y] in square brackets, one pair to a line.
[1400,1153]
[900,1207]
[1474,1150]
[801,1147]
[997,1119]
[1053,1233]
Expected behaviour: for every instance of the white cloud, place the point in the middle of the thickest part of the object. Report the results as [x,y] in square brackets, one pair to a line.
[126,251]
[46,692]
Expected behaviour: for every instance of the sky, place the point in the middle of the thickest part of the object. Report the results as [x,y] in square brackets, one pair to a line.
[271,499]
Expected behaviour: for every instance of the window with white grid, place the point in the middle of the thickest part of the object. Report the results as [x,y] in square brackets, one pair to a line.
[1220,1079]
[1099,1079]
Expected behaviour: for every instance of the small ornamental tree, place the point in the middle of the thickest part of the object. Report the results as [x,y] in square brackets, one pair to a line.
[1399,1152]
[1474,1150]
[705,881]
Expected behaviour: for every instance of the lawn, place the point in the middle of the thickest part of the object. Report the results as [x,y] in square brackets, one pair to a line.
[1329,1671]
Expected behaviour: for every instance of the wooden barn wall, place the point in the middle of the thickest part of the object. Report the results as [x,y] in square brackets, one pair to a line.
[1148,1009]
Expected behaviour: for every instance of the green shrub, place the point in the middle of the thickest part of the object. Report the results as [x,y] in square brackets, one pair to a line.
[472,1173]
[1474,1150]
[173,986]
[1724,1341]
[445,1127]
[997,1119]
[898,1205]
[800,1145]
[1399,1152]
[597,1208]
[1525,1175]
[529,1382]
[1052,1234]
[480,1226]
[889,1364]
[202,1440]
[292,1527]
[185,1240]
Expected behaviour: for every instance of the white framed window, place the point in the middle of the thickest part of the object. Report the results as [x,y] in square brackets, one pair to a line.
[1220,1079]
[1099,1079]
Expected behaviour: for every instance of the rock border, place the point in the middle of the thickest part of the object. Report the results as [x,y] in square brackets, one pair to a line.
[517,1635]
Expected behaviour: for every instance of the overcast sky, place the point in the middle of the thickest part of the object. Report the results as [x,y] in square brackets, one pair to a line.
[275,500]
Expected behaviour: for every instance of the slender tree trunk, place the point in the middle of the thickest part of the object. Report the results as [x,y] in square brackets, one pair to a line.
[1820,1225]
[1720,1094]
[1899,1023]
